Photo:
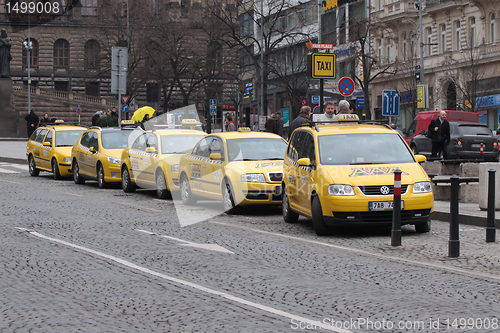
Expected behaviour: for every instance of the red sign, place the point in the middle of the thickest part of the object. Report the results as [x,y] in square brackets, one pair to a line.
[125,99]
[310,45]
[346,86]
[228,107]
[303,101]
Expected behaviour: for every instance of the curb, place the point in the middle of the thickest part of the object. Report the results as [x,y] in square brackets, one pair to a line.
[13,160]
[464,219]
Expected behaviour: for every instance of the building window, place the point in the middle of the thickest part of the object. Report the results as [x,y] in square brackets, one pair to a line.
[61,54]
[61,85]
[405,45]
[91,55]
[379,50]
[442,30]
[92,88]
[388,49]
[472,31]
[428,33]
[89,7]
[214,57]
[492,28]
[33,54]
[152,93]
[456,24]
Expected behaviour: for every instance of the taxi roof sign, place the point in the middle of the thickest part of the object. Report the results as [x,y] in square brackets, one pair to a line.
[348,117]
[187,122]
[244,129]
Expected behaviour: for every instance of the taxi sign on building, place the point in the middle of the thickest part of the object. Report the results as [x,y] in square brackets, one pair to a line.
[322,65]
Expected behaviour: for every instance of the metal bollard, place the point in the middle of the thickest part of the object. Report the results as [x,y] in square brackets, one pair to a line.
[396,210]
[454,242]
[490,219]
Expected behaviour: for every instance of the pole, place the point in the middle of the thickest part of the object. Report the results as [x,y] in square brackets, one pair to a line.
[421,34]
[396,211]
[119,88]
[28,48]
[454,242]
[321,95]
[490,219]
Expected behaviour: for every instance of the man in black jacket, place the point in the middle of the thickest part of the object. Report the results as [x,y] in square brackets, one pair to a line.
[439,132]
[302,118]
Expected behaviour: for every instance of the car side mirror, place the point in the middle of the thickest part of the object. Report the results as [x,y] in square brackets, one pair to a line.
[47,143]
[420,158]
[216,156]
[92,150]
[305,161]
[150,150]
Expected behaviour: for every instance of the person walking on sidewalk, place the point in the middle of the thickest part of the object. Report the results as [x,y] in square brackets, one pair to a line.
[32,121]
[439,132]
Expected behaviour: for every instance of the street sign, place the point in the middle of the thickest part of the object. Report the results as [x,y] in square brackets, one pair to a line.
[317,109]
[213,102]
[125,99]
[125,108]
[390,102]
[213,111]
[78,110]
[346,86]
[322,65]
[315,99]
[360,102]
[119,63]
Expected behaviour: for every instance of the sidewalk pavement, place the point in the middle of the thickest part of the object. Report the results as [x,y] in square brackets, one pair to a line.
[14,151]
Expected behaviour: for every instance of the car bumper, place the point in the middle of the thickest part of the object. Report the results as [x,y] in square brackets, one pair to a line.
[256,194]
[474,155]
[112,174]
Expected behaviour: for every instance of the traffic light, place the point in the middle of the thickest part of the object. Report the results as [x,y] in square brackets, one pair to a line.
[417,74]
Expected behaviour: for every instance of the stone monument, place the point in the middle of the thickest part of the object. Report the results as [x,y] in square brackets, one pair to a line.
[9,126]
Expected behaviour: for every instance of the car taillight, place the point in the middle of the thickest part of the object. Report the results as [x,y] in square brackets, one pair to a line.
[495,144]
[459,142]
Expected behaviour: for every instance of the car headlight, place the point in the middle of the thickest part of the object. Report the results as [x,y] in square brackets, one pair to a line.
[340,190]
[114,160]
[174,167]
[67,159]
[253,178]
[422,187]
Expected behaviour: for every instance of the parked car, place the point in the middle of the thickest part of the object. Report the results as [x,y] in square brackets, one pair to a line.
[239,168]
[49,149]
[97,154]
[466,140]
[423,119]
[343,175]
[152,161]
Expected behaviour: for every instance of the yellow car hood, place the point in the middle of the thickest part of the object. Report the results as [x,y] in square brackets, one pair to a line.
[256,166]
[373,174]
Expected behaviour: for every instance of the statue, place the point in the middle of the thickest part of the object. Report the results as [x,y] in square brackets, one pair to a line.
[5,56]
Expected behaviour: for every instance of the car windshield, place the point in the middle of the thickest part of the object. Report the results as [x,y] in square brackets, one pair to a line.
[351,149]
[67,138]
[474,130]
[256,149]
[119,139]
[179,144]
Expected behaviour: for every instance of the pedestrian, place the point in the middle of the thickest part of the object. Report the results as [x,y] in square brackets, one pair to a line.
[255,126]
[279,129]
[439,132]
[393,126]
[45,119]
[96,116]
[352,108]
[230,124]
[32,121]
[302,118]
[270,125]
[329,115]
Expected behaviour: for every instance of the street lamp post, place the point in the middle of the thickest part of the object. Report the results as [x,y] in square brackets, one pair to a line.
[28,45]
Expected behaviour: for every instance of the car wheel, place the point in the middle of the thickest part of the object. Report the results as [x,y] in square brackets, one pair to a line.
[318,220]
[32,167]
[55,169]
[186,195]
[228,198]
[76,174]
[414,149]
[161,186]
[423,227]
[127,185]
[288,215]
[100,177]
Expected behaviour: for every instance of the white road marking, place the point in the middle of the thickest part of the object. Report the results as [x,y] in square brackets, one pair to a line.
[225,295]
[20,166]
[212,247]
[8,181]
[345,248]
[2,170]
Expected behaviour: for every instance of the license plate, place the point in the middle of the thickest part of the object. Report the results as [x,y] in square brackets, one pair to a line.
[383,205]
[476,145]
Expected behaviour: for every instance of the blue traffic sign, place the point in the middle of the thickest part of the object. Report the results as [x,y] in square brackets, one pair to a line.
[78,110]
[213,102]
[213,111]
[390,102]
[125,108]
[360,102]
[346,86]
[315,99]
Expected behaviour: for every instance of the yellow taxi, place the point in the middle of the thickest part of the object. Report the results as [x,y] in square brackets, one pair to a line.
[152,161]
[239,168]
[49,148]
[97,153]
[343,174]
